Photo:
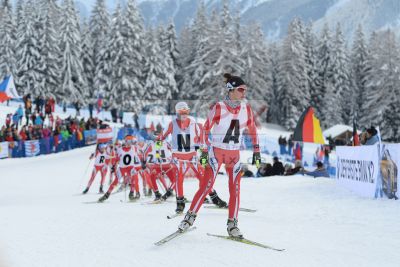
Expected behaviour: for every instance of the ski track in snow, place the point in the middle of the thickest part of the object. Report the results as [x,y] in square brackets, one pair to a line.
[45,223]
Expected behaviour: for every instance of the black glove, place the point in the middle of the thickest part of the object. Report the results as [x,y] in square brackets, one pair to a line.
[143,165]
[113,168]
[203,157]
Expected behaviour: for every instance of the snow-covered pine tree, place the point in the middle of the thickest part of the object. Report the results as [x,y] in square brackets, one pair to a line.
[324,77]
[30,62]
[219,56]
[383,88]
[293,87]
[99,26]
[169,45]
[87,62]
[341,81]
[359,74]
[73,80]
[7,40]
[312,71]
[257,68]
[133,55]
[191,46]
[51,50]
[115,76]
[273,113]
[155,86]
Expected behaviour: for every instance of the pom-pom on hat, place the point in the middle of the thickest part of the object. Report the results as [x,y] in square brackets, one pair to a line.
[233,81]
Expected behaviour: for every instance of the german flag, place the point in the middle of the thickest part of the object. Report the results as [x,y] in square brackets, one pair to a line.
[308,128]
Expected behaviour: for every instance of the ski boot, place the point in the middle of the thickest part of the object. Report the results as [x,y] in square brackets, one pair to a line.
[137,196]
[104,197]
[86,190]
[187,221]
[158,196]
[217,201]
[150,192]
[101,190]
[180,204]
[167,194]
[232,229]
[131,195]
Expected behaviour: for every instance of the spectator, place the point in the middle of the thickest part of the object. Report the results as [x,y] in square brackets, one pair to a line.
[264,170]
[2,133]
[91,110]
[23,134]
[290,145]
[277,167]
[77,106]
[246,172]
[37,106]
[297,168]
[38,120]
[47,109]
[20,113]
[114,114]
[15,119]
[320,171]
[8,119]
[121,115]
[41,104]
[370,137]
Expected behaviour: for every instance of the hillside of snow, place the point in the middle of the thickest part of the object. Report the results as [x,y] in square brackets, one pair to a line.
[45,222]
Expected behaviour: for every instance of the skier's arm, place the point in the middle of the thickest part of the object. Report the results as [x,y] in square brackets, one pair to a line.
[251,125]
[213,117]
[162,136]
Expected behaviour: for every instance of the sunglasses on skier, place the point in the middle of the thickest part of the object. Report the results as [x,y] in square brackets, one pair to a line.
[241,89]
[183,112]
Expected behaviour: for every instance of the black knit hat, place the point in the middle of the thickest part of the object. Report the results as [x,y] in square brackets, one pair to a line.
[233,81]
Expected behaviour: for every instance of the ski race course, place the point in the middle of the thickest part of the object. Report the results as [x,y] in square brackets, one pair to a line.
[44,222]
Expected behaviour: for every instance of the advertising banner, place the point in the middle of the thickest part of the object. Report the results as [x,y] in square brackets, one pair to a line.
[357,168]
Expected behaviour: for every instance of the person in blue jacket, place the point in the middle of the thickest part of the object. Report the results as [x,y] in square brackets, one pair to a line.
[320,171]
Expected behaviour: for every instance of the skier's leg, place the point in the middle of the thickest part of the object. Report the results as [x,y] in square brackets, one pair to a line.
[234,173]
[207,182]
[94,172]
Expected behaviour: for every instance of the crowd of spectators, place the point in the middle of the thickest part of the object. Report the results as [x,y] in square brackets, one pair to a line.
[39,124]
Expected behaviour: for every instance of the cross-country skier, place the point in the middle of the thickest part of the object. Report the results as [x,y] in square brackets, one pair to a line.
[100,165]
[186,135]
[143,149]
[127,160]
[226,121]
[160,158]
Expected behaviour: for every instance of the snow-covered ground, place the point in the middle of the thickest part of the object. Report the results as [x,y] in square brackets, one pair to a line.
[44,222]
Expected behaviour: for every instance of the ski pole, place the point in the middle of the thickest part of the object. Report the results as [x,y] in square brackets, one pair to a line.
[84,175]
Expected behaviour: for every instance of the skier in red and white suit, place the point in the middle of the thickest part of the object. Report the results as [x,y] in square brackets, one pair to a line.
[186,136]
[226,122]
[112,160]
[127,160]
[143,149]
[100,165]
[160,159]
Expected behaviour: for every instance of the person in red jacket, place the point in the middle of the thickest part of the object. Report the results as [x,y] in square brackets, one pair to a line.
[99,166]
[226,122]
[186,137]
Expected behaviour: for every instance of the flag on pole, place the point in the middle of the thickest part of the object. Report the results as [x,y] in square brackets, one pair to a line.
[356,139]
[7,89]
[308,128]
[104,135]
